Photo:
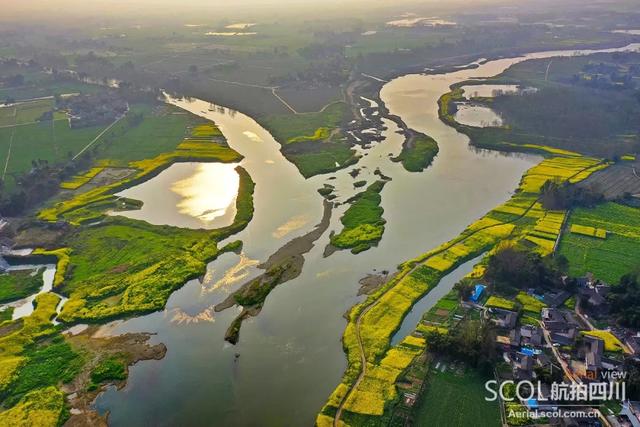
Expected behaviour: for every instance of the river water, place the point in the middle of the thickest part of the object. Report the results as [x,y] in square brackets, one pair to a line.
[290,356]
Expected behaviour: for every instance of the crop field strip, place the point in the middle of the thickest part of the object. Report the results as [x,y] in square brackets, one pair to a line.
[604,240]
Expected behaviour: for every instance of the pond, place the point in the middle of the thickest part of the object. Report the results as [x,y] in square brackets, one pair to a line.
[477,116]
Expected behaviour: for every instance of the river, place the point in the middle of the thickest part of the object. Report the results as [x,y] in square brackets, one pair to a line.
[290,356]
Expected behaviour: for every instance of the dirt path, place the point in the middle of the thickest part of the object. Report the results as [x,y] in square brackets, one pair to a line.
[13,132]
[546,73]
[86,147]
[281,99]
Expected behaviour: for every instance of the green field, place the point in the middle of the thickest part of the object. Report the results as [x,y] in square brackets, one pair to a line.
[580,104]
[27,112]
[454,400]
[161,130]
[19,284]
[312,141]
[300,127]
[610,258]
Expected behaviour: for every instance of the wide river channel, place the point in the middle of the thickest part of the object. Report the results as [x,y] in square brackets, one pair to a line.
[290,356]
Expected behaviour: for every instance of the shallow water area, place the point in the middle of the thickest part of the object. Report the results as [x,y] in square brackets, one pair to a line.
[477,116]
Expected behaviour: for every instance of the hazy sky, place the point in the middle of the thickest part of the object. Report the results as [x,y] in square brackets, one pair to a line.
[41,10]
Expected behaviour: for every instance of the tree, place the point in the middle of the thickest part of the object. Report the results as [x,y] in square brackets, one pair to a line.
[464,289]
[562,263]
[512,267]
[632,382]
[471,341]
[625,300]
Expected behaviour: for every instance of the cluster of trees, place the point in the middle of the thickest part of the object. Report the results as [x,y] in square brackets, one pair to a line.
[38,184]
[512,268]
[471,341]
[625,300]
[617,75]
[14,80]
[558,195]
[571,112]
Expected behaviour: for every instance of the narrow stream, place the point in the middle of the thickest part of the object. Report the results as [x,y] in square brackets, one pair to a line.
[428,301]
[291,355]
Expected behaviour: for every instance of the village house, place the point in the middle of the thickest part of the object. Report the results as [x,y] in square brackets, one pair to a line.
[555,299]
[594,350]
[594,297]
[562,326]
[526,335]
[522,366]
[504,318]
[94,109]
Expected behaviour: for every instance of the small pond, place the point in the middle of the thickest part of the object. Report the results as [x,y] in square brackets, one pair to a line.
[477,115]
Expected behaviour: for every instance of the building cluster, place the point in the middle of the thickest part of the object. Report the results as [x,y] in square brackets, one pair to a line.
[94,109]
[563,346]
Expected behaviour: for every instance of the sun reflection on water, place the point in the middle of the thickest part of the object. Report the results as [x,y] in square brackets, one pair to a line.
[209,192]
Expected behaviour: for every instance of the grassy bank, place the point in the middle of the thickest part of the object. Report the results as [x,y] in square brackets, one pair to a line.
[123,267]
[19,284]
[29,371]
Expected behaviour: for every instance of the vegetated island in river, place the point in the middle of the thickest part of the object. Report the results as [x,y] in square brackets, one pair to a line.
[283,265]
[362,222]
[418,151]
